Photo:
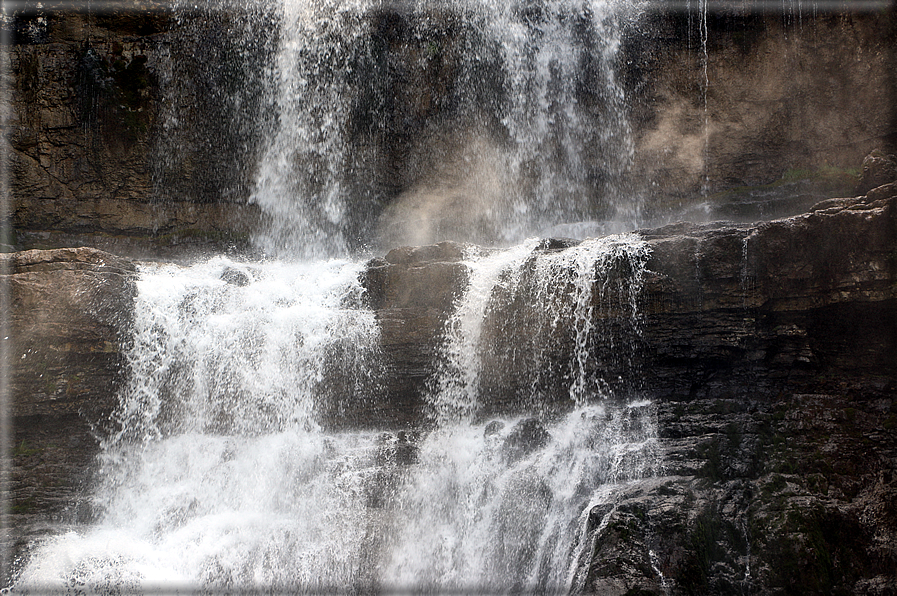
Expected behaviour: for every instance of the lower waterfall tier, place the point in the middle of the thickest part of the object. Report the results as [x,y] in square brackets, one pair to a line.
[762,356]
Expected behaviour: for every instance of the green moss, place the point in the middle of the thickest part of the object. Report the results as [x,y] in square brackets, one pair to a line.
[795,174]
[27,505]
[775,484]
[23,449]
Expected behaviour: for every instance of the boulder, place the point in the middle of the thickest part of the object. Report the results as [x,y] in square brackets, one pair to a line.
[878,169]
[526,436]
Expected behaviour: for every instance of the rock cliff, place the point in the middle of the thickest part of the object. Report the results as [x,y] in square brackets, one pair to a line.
[68,323]
[140,131]
[767,348]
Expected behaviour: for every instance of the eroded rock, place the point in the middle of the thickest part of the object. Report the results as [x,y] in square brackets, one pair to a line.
[68,325]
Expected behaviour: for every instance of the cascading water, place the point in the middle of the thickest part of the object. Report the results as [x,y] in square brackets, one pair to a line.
[532,132]
[223,474]
[503,506]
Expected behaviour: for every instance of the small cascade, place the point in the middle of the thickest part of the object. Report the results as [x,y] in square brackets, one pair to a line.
[223,475]
[455,388]
[220,475]
[230,348]
[502,507]
[544,326]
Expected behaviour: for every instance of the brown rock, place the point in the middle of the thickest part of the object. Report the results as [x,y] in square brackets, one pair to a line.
[69,319]
[878,169]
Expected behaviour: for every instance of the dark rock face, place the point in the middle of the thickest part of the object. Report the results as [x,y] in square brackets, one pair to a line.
[768,350]
[87,153]
[68,323]
[527,436]
[878,169]
[413,291]
[140,131]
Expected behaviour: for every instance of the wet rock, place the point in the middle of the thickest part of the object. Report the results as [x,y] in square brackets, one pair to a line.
[878,169]
[557,243]
[443,252]
[493,428]
[885,191]
[69,318]
[235,277]
[526,436]
[769,351]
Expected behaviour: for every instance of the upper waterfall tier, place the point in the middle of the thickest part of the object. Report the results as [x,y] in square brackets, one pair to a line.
[511,118]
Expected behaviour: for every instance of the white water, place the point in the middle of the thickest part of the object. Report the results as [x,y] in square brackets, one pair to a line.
[473,518]
[559,290]
[222,478]
[563,146]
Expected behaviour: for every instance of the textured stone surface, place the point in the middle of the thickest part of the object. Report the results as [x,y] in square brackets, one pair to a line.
[91,113]
[768,350]
[138,131]
[69,319]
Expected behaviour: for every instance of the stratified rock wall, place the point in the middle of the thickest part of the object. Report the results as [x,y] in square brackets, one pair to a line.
[68,325]
[145,127]
[93,106]
[734,98]
[767,349]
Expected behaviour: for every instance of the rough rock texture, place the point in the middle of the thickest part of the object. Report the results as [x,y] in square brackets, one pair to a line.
[770,352]
[68,321]
[87,158]
[413,291]
[769,99]
[138,131]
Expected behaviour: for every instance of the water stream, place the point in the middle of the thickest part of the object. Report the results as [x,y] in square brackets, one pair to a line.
[223,474]
[531,131]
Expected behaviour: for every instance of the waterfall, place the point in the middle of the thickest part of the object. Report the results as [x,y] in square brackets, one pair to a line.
[531,132]
[226,471]
[223,475]
[502,506]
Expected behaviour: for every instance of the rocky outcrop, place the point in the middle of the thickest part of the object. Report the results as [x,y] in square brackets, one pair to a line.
[776,384]
[733,309]
[89,156]
[140,131]
[767,349]
[69,313]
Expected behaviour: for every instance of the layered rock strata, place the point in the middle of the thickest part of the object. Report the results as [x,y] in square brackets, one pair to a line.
[767,349]
[140,131]
[67,325]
